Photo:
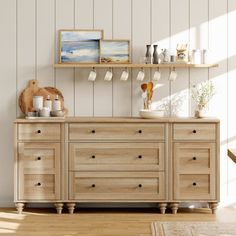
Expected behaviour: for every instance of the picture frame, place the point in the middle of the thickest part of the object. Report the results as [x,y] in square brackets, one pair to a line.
[115,51]
[79,46]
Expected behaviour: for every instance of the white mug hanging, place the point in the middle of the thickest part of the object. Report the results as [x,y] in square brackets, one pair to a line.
[108,76]
[125,75]
[157,75]
[92,75]
[141,75]
[173,75]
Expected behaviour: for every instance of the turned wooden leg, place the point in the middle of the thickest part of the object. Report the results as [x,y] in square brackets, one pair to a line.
[71,207]
[163,207]
[174,207]
[213,206]
[59,207]
[20,207]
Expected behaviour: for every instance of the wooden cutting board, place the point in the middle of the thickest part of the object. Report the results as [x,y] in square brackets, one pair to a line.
[26,97]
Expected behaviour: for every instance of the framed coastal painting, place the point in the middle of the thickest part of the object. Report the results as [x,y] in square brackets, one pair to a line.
[80,46]
[115,51]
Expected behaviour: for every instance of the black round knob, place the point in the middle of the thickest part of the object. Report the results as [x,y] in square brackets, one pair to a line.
[39,184]
[140,156]
[194,131]
[93,131]
[140,131]
[93,156]
[39,158]
[93,185]
[194,184]
[194,158]
[140,185]
[39,131]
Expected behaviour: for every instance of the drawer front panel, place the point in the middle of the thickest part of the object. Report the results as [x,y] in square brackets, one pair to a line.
[39,132]
[116,131]
[194,157]
[38,187]
[195,186]
[39,158]
[193,131]
[116,187]
[116,156]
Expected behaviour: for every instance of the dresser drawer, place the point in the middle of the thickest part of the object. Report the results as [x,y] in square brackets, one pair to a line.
[123,185]
[194,157]
[98,131]
[116,156]
[39,131]
[194,131]
[38,187]
[194,187]
[39,158]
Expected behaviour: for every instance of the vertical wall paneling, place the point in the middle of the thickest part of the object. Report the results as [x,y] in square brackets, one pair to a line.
[218,45]
[26,43]
[198,40]
[8,97]
[83,88]
[141,36]
[103,89]
[231,95]
[45,22]
[161,37]
[65,77]
[180,34]
[121,30]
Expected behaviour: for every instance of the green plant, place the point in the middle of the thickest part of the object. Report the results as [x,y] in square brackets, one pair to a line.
[203,93]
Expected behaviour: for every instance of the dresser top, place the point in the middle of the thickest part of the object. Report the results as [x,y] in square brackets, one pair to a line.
[120,120]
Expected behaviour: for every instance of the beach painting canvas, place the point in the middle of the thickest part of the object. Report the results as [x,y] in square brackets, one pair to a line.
[80,46]
[115,51]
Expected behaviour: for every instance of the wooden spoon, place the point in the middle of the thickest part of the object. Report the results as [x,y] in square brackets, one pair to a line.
[144,87]
[149,90]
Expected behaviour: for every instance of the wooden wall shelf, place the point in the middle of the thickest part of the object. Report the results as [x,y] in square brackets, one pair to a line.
[171,65]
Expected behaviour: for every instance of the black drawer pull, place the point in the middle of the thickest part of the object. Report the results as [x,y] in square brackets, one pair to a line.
[140,157]
[194,184]
[93,131]
[38,184]
[194,158]
[39,131]
[140,131]
[93,185]
[39,158]
[93,156]
[140,186]
[194,131]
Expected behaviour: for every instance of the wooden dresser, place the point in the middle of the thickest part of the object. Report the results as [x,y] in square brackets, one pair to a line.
[165,161]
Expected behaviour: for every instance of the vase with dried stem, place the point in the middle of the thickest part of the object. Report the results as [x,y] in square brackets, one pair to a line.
[202,94]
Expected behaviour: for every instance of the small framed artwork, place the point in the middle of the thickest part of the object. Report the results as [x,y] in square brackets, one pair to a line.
[115,51]
[80,46]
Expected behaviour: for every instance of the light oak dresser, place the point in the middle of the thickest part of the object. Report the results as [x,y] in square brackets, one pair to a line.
[131,160]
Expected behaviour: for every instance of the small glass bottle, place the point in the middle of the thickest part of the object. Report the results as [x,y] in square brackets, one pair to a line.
[155,55]
[205,56]
[57,104]
[48,103]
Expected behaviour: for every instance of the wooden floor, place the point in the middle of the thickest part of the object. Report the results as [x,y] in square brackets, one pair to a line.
[98,222]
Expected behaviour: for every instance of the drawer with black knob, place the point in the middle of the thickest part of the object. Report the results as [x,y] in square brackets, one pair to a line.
[119,185]
[194,131]
[116,131]
[39,131]
[116,156]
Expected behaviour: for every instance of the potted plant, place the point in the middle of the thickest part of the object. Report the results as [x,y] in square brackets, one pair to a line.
[202,94]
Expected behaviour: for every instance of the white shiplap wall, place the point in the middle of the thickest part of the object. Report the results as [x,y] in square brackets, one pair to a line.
[29,45]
